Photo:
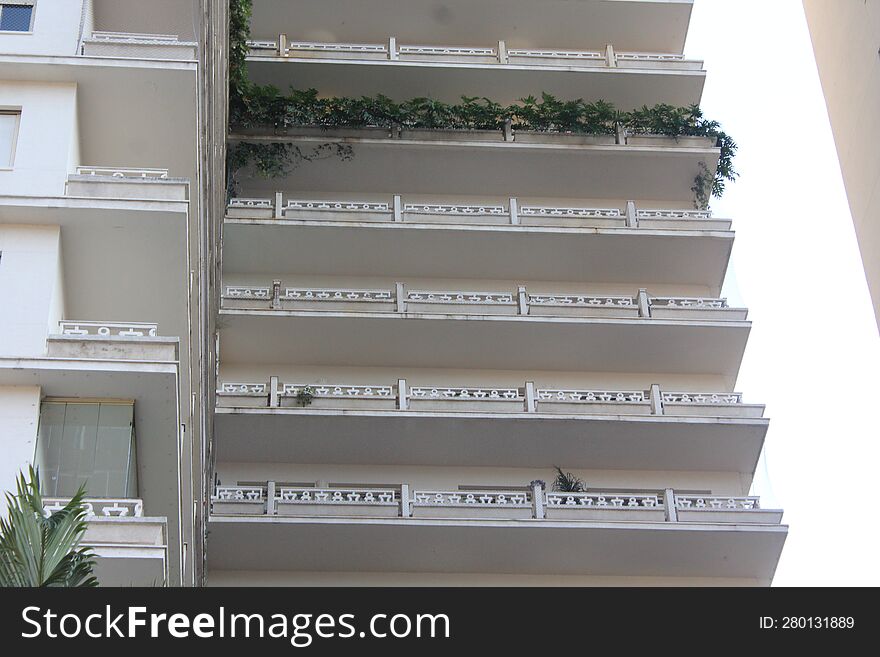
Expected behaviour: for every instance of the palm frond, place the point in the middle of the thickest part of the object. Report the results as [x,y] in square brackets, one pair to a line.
[567,482]
[40,550]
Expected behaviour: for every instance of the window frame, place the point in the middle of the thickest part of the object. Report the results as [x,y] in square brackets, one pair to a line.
[21,3]
[16,129]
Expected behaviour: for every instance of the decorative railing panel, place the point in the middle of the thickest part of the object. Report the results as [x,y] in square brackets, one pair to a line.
[557,54]
[475,210]
[107,329]
[337,206]
[584,213]
[243,389]
[118,172]
[716,502]
[465,298]
[337,496]
[240,494]
[99,507]
[485,499]
[688,303]
[466,394]
[719,398]
[592,396]
[604,500]
[582,301]
[319,294]
[339,391]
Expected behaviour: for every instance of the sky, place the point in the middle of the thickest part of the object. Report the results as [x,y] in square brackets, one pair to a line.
[814,350]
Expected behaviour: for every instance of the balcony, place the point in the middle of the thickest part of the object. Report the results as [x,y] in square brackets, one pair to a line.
[447,72]
[136,341]
[651,26]
[407,423]
[138,46]
[121,183]
[526,530]
[130,549]
[512,238]
[503,330]
[433,161]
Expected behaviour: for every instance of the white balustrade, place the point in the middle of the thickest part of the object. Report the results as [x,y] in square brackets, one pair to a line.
[714,398]
[134,37]
[570,300]
[240,494]
[674,214]
[649,57]
[476,504]
[337,206]
[107,329]
[252,203]
[449,209]
[244,292]
[99,507]
[603,500]
[451,51]
[561,395]
[338,496]
[119,172]
[715,502]
[466,394]
[463,298]
[557,54]
[339,391]
[243,389]
[475,499]
[572,212]
[695,303]
[314,46]
[335,294]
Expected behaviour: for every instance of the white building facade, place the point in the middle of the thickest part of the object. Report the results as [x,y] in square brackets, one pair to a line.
[98,111]
[412,336]
[364,371]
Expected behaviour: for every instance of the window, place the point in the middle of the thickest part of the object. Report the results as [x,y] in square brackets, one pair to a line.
[9,121]
[16,16]
[87,443]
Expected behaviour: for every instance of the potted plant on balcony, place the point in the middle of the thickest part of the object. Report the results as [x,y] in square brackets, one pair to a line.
[304,396]
[567,482]
[41,550]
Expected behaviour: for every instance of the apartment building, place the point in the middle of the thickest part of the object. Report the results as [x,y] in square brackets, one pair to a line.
[412,336]
[846,40]
[99,378]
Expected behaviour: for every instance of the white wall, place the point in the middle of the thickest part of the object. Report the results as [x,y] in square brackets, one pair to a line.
[56,26]
[46,137]
[30,290]
[19,419]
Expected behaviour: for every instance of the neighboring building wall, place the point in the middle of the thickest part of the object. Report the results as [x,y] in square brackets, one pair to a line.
[47,137]
[56,30]
[846,38]
[30,292]
[19,418]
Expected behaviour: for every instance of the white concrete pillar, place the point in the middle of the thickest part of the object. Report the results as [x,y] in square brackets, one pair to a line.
[279,208]
[644,305]
[632,220]
[397,204]
[513,206]
[273,392]
[656,400]
[537,500]
[405,501]
[19,420]
[402,395]
[276,294]
[400,297]
[522,300]
[270,498]
[610,57]
[531,400]
[669,502]
[392,48]
[502,52]
[282,45]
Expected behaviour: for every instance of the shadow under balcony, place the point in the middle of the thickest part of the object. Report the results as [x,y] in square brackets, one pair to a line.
[407,423]
[519,531]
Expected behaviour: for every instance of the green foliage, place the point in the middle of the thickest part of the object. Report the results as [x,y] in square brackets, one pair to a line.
[40,551]
[567,482]
[305,396]
[266,107]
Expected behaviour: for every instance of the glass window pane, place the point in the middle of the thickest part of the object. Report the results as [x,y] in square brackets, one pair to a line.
[16,18]
[8,128]
[90,444]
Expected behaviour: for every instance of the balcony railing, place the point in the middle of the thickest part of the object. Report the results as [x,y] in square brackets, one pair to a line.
[134,45]
[401,300]
[143,184]
[116,340]
[528,503]
[467,399]
[497,53]
[511,213]
[124,330]
[99,507]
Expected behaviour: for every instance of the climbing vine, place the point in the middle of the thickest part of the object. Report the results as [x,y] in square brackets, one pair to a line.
[265,107]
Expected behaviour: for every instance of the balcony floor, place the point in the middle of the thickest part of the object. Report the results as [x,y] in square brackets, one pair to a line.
[489,439]
[499,546]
